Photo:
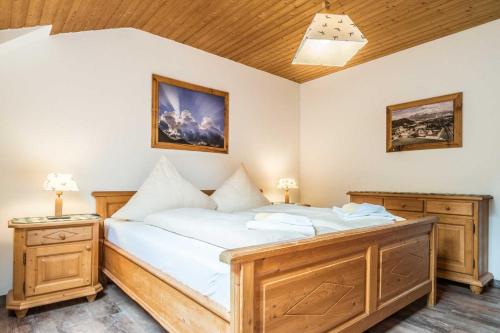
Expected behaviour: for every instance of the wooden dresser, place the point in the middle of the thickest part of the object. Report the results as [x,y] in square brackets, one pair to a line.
[54,260]
[462,230]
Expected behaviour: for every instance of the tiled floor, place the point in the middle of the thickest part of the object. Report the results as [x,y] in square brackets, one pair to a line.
[458,311]
[112,311]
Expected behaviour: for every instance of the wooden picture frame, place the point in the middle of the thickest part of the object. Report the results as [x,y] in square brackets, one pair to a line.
[218,138]
[430,126]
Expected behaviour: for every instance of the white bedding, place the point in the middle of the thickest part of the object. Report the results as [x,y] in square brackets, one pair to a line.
[186,243]
[191,262]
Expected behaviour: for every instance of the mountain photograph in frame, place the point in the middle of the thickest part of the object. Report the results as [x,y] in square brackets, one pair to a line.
[188,117]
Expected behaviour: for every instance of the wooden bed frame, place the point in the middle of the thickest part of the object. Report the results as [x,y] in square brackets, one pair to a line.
[338,282]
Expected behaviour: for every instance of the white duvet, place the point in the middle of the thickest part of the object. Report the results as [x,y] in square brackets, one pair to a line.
[186,243]
[225,230]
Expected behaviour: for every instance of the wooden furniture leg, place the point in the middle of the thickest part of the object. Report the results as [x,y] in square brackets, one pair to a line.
[20,314]
[91,298]
[476,289]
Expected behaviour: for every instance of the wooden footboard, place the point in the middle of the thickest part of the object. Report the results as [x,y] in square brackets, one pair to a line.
[340,282]
[344,282]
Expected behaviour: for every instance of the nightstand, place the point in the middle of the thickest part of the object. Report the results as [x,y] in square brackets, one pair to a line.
[54,260]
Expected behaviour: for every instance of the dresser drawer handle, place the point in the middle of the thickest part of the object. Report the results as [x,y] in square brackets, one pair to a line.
[62,236]
[448,208]
[403,206]
[88,247]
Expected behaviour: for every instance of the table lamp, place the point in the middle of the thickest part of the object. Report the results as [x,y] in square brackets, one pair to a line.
[286,184]
[59,183]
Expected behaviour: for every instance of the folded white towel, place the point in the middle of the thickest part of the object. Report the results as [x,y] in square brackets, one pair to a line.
[284,218]
[363,209]
[280,226]
[353,211]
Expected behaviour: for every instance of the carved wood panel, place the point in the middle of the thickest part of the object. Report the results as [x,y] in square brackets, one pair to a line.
[314,299]
[114,207]
[58,267]
[455,239]
[403,266]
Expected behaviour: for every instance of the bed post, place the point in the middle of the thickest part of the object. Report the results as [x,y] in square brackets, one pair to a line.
[106,203]
[101,209]
[433,240]
[242,297]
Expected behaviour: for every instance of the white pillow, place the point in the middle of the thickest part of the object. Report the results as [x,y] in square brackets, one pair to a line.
[163,189]
[238,193]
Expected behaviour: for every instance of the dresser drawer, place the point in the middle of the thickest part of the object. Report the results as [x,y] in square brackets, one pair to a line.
[411,205]
[406,214]
[58,235]
[450,207]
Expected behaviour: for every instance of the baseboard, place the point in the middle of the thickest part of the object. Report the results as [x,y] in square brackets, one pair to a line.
[2,300]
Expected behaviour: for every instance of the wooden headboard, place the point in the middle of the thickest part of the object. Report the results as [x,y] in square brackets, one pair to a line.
[108,202]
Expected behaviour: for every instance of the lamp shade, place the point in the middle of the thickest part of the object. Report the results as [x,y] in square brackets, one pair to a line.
[330,40]
[287,183]
[60,182]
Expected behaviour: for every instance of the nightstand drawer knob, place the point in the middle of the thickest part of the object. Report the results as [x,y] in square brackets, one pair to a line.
[62,236]
[88,247]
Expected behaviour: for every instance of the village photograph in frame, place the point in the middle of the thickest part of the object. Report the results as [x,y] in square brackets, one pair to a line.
[425,124]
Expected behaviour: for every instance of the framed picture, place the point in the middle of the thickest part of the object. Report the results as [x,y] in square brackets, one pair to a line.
[189,117]
[425,124]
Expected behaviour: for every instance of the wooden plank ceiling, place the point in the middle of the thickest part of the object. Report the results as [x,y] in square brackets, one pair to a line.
[259,33]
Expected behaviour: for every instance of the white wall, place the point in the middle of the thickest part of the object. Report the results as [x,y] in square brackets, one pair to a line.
[342,143]
[80,103]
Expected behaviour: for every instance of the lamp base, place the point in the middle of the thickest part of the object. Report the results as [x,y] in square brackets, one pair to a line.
[62,217]
[287,197]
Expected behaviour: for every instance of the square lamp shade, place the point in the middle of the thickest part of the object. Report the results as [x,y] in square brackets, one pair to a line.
[286,184]
[330,40]
[59,183]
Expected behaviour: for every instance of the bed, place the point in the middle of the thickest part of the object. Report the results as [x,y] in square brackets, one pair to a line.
[345,281]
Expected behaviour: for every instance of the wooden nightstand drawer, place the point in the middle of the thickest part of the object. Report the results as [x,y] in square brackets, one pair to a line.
[58,267]
[411,205]
[58,235]
[450,207]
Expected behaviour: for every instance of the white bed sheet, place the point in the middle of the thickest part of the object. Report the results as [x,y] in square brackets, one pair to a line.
[194,263]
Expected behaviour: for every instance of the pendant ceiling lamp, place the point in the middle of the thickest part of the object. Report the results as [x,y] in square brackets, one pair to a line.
[330,40]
